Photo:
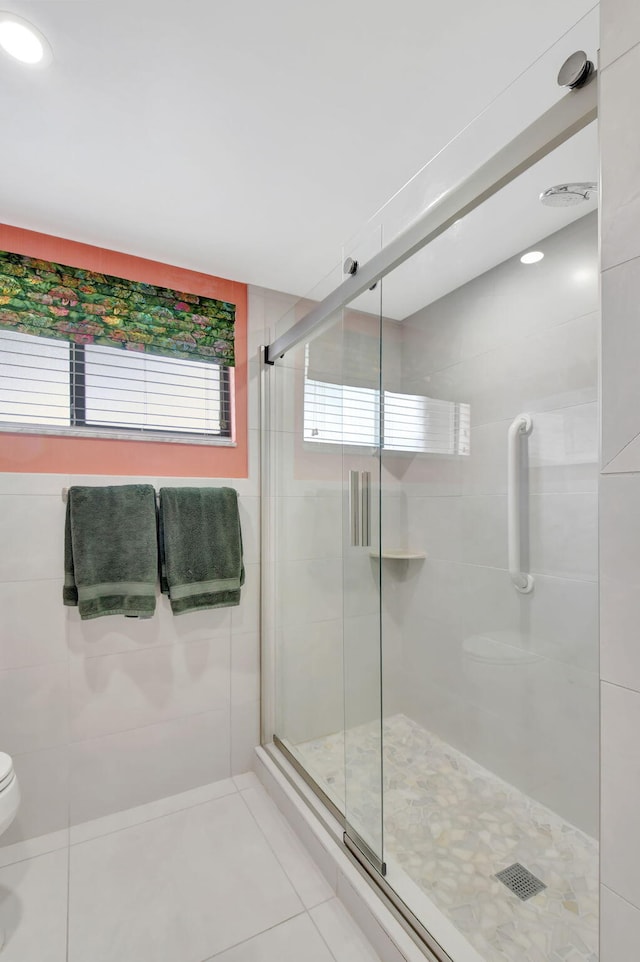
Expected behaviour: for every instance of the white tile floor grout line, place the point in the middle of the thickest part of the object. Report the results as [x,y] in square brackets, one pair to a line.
[139,821]
[269,928]
[291,884]
[150,818]
[275,852]
[321,934]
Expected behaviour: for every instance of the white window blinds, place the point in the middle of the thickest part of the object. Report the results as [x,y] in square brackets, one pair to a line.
[63,387]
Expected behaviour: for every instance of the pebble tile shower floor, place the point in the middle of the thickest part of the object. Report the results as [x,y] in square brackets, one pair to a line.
[451,825]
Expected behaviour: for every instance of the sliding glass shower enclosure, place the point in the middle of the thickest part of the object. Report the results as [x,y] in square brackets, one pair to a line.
[432,496]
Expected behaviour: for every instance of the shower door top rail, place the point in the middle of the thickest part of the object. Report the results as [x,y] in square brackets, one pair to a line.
[576,110]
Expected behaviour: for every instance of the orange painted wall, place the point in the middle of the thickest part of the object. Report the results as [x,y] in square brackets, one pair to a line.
[32,453]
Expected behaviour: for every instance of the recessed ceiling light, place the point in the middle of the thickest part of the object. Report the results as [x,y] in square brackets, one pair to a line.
[21,40]
[532,257]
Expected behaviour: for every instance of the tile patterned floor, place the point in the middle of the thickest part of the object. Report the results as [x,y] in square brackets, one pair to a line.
[216,873]
[451,825]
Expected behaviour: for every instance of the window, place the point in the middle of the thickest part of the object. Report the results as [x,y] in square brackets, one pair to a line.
[54,385]
[88,353]
[344,414]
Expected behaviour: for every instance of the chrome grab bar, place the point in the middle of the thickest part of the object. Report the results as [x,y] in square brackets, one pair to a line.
[520,428]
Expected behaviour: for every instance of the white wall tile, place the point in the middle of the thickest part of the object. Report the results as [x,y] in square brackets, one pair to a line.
[362,669]
[151,700]
[620,835]
[473,529]
[249,510]
[209,624]
[32,529]
[507,304]
[360,583]
[30,484]
[110,693]
[620,358]
[245,617]
[300,471]
[287,387]
[245,736]
[245,669]
[562,453]
[534,723]
[277,308]
[311,651]
[130,768]
[619,148]
[32,623]
[106,636]
[554,369]
[619,574]
[619,928]
[627,461]
[558,620]
[563,535]
[563,621]
[44,790]
[619,29]
[434,525]
[34,707]
[483,530]
[309,527]
[254,369]
[308,591]
[563,450]
[432,590]
[143,813]
[506,344]
[484,470]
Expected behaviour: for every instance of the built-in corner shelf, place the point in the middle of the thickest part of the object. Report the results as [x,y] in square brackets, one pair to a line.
[401,554]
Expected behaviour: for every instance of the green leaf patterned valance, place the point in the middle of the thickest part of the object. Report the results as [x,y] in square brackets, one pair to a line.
[50,300]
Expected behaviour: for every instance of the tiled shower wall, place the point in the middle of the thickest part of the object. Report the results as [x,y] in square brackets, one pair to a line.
[509,679]
[103,715]
[518,338]
[620,479]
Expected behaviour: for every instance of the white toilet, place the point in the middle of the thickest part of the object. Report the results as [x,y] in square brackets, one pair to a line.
[9,801]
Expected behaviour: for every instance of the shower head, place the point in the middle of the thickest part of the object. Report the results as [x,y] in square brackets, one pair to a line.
[568,195]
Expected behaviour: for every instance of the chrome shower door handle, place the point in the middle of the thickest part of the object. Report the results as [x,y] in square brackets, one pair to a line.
[366,509]
[354,507]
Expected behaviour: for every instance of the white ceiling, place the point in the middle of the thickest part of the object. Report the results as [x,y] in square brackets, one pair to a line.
[511,222]
[248,138]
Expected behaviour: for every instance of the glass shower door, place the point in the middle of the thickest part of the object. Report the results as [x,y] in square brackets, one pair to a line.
[326,409]
[362,632]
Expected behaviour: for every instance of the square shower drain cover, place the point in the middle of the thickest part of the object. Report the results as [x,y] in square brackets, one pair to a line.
[521,881]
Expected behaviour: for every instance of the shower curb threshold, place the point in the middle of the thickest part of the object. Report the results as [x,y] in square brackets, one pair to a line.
[391,936]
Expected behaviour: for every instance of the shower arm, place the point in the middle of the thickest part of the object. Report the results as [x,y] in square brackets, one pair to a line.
[519,429]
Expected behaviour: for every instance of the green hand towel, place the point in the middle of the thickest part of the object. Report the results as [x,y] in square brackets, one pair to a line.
[111,550]
[200,548]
